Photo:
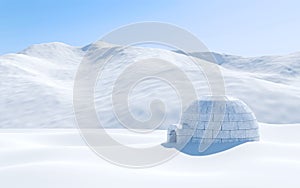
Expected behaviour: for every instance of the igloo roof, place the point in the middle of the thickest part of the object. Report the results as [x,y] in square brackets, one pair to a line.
[208,108]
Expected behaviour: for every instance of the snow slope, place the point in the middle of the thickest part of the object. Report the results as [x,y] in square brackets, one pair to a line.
[36,92]
[59,158]
[37,83]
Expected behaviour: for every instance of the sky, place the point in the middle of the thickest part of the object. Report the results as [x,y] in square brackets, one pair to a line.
[246,28]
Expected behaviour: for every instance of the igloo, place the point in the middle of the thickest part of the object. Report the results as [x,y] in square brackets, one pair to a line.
[223,122]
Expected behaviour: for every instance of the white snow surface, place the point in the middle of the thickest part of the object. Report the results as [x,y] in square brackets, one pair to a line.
[37,85]
[59,158]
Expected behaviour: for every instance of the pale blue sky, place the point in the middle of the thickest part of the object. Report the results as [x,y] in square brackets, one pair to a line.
[249,28]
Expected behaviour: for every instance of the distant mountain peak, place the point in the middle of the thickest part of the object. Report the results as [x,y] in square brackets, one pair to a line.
[57,51]
[46,46]
[98,44]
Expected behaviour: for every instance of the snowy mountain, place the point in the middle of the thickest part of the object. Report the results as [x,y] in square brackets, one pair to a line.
[37,85]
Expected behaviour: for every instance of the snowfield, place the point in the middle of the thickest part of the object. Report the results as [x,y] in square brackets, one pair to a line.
[59,158]
[41,147]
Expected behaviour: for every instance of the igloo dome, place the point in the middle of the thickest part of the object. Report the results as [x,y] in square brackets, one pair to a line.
[216,120]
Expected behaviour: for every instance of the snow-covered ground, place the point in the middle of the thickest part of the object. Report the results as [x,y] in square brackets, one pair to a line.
[39,146]
[59,158]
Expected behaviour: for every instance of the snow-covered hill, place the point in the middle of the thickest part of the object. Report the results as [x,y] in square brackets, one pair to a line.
[287,65]
[37,84]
